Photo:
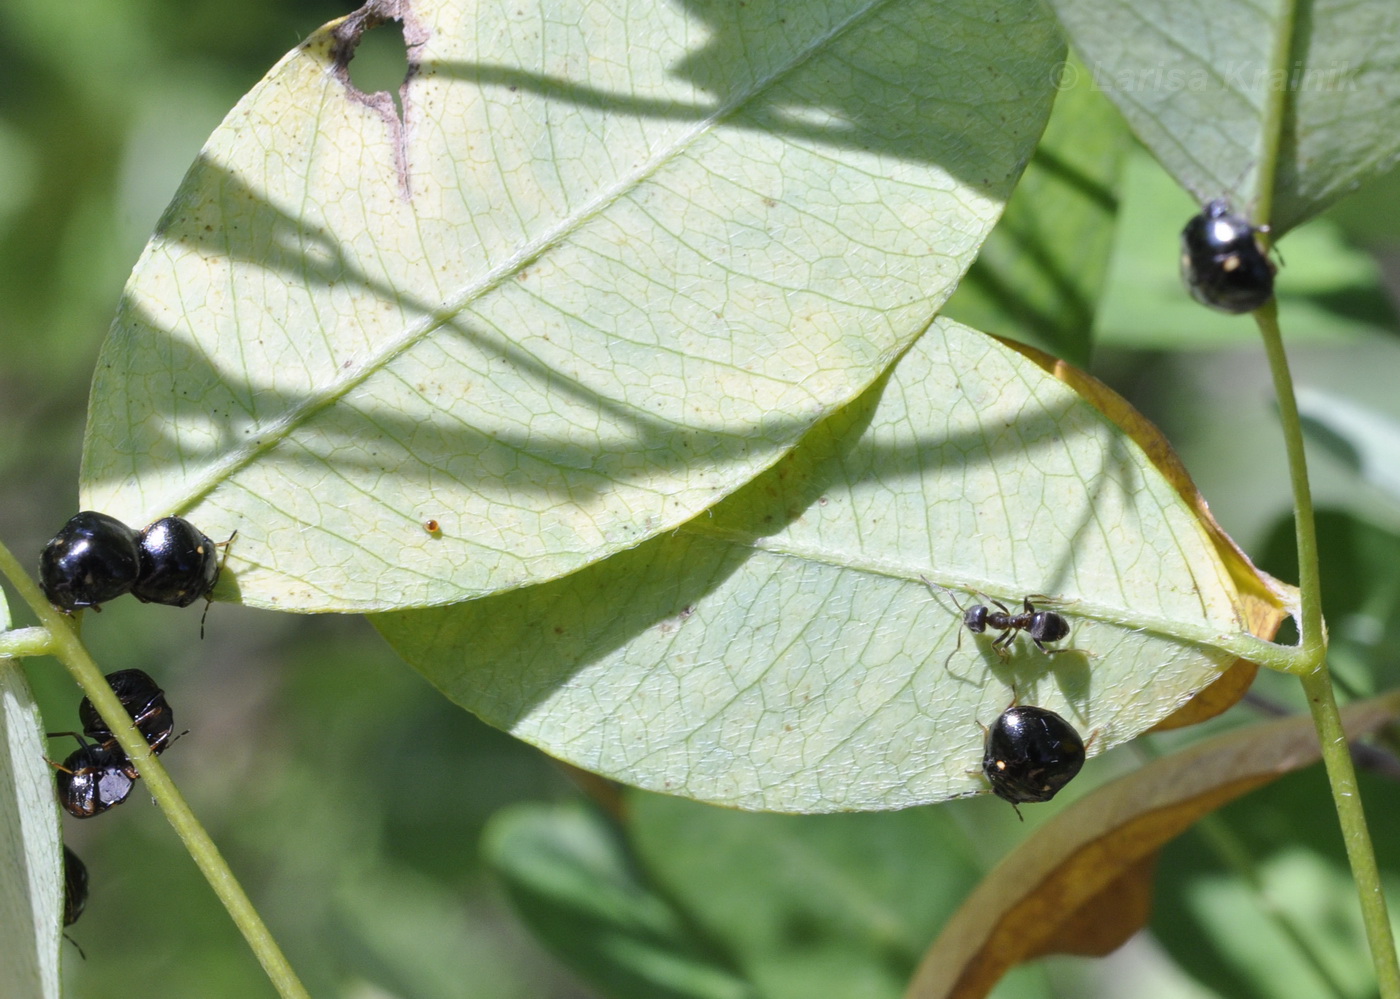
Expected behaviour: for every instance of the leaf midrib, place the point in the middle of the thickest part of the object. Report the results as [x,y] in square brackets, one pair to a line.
[280,430]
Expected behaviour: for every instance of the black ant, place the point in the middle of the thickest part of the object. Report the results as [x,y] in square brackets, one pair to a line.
[1042,626]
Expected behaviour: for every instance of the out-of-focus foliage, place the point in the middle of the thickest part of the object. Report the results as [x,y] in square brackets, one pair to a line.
[352,799]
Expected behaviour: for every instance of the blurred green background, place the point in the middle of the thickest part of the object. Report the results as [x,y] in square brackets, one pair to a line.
[400,848]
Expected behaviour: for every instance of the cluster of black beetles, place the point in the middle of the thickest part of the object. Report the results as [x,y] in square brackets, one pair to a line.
[99,774]
[96,558]
[93,559]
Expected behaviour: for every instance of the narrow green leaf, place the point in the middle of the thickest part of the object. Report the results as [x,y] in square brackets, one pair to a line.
[830,905]
[1196,85]
[31,881]
[614,261]
[781,652]
[572,881]
[1358,433]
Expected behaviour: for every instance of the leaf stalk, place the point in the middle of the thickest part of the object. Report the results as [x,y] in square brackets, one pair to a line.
[1311,664]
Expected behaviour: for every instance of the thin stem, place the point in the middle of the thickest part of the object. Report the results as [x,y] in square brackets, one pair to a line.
[1317,681]
[67,647]
[1313,641]
[1346,798]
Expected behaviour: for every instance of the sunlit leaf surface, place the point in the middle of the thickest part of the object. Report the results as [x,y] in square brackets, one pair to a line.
[782,651]
[613,260]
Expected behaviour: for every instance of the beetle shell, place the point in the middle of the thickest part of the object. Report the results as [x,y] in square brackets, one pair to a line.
[1030,754]
[91,781]
[146,704]
[179,564]
[1222,264]
[92,559]
[75,887]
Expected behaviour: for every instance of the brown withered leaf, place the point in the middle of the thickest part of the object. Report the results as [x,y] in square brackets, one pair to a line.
[1263,600]
[1222,694]
[1082,883]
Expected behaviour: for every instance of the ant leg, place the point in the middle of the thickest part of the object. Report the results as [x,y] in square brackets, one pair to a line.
[961,611]
[951,595]
[1056,652]
[956,649]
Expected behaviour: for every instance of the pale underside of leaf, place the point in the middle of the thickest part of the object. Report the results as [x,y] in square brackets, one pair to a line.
[782,651]
[1196,84]
[612,263]
[30,863]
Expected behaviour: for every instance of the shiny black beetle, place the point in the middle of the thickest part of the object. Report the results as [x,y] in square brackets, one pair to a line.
[92,779]
[1029,754]
[146,704]
[179,564]
[1222,263]
[92,559]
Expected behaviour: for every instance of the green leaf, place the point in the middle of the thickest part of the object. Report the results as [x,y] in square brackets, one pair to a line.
[1039,275]
[403,931]
[613,262]
[1196,85]
[571,880]
[31,882]
[830,905]
[1358,434]
[781,652]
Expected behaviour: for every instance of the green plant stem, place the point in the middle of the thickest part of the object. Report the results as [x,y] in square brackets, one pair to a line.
[1313,641]
[1317,681]
[67,647]
[1346,798]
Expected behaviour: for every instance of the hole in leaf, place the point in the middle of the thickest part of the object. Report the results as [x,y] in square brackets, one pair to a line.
[380,62]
